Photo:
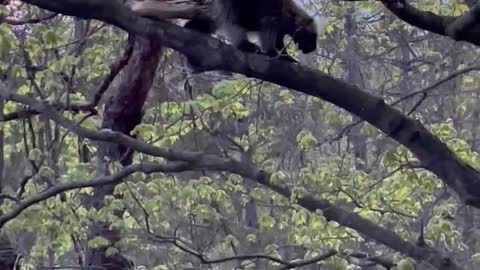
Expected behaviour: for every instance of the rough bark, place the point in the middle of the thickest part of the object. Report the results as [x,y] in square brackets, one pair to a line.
[123,112]
[211,54]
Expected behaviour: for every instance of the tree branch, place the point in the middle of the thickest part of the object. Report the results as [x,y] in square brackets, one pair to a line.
[199,160]
[146,168]
[461,28]
[212,54]
[463,24]
[204,260]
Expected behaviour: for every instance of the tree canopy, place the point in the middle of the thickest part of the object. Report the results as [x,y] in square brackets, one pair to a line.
[114,154]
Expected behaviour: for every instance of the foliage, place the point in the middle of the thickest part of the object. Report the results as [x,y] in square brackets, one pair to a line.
[307,145]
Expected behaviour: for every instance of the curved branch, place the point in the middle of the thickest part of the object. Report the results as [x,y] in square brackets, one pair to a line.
[212,54]
[462,25]
[462,28]
[285,264]
[211,162]
[100,181]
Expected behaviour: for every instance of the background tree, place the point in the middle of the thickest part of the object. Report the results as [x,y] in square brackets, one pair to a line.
[113,154]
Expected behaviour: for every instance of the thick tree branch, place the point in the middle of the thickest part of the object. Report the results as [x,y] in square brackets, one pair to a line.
[212,54]
[462,28]
[464,23]
[470,3]
[199,160]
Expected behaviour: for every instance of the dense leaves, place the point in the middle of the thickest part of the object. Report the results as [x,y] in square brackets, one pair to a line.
[209,216]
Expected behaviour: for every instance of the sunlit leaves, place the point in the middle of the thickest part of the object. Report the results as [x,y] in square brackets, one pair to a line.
[46,171]
[35,155]
[405,264]
[97,56]
[226,98]
[298,193]
[79,171]
[306,140]
[10,107]
[51,38]
[329,28]
[286,97]
[24,90]
[299,217]
[98,242]
[247,264]
[258,193]
[18,72]
[369,7]
[445,131]
[266,222]
[336,263]
[270,165]
[278,178]
[235,179]
[146,131]
[231,239]
[459,8]
[285,136]
[89,123]
[111,251]
[252,238]
[475,258]
[234,183]
[448,134]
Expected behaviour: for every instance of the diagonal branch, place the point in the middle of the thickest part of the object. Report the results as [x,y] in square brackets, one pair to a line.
[462,28]
[464,23]
[211,162]
[204,260]
[212,54]
[146,168]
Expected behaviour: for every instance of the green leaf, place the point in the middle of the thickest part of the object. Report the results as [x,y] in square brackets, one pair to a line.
[111,251]
[51,38]
[306,140]
[298,193]
[266,222]
[46,171]
[405,264]
[278,178]
[252,238]
[475,258]
[98,242]
[35,155]
[145,131]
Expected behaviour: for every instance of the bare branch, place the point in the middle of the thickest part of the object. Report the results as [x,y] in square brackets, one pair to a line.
[146,168]
[211,162]
[286,264]
[212,54]
[329,253]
